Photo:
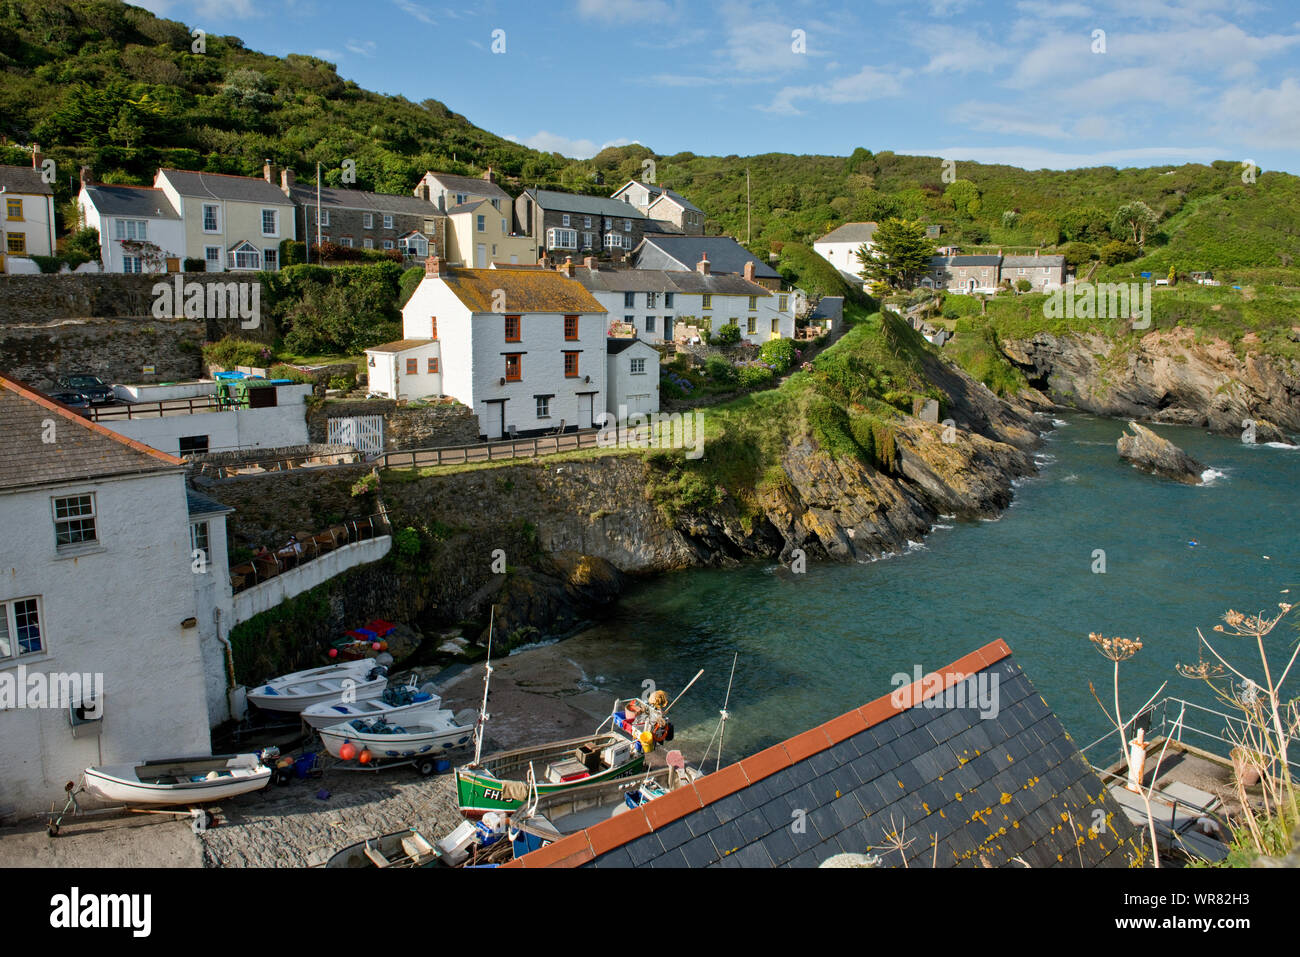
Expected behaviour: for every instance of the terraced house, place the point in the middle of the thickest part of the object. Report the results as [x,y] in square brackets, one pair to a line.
[521,346]
[663,305]
[139,229]
[565,224]
[363,220]
[660,203]
[27,223]
[964,274]
[231,222]
[724,254]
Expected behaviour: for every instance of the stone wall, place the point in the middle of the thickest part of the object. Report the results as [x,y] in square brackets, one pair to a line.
[103,324]
[405,427]
[246,456]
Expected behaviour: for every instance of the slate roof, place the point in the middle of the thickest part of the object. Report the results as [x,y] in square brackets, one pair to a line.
[829,307]
[616,344]
[139,202]
[473,185]
[850,233]
[683,252]
[200,505]
[585,205]
[467,207]
[305,195]
[81,449]
[938,262]
[659,192]
[242,189]
[526,290]
[965,790]
[24,179]
[1043,262]
[399,345]
[667,280]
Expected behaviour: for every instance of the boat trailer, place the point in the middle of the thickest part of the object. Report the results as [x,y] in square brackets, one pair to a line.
[200,817]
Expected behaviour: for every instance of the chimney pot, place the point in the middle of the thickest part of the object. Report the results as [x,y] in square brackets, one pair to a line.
[433,266]
[702,266]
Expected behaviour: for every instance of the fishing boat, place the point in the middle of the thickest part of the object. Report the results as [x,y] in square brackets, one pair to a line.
[178,780]
[501,782]
[358,680]
[547,818]
[407,848]
[392,702]
[428,731]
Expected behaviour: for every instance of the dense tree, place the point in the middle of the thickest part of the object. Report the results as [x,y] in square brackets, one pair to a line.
[1137,219]
[901,255]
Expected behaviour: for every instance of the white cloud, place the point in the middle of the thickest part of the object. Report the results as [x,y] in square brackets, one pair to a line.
[867,84]
[1013,119]
[332,55]
[411,8]
[959,50]
[1260,117]
[624,11]
[1043,9]
[361,47]
[549,142]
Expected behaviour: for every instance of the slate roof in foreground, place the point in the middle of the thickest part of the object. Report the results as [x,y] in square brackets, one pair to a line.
[81,449]
[1009,789]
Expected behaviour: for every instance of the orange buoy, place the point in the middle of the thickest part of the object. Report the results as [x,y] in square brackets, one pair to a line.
[364,756]
[348,751]
[383,646]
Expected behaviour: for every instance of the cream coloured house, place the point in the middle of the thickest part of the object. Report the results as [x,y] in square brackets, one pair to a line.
[479,234]
[231,222]
[26,217]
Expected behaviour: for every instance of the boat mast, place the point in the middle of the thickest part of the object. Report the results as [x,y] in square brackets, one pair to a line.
[722,725]
[487,677]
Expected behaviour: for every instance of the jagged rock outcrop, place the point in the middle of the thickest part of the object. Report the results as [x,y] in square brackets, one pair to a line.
[1166,376]
[1157,455]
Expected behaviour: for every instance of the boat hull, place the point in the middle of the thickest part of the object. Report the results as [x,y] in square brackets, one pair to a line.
[326,713]
[122,785]
[396,747]
[477,792]
[293,693]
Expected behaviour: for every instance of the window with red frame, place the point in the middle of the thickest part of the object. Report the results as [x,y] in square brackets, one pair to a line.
[433,327]
[570,365]
[433,367]
[512,328]
[412,366]
[514,367]
[571,327]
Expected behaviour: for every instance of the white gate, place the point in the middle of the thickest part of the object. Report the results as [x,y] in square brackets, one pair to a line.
[365,433]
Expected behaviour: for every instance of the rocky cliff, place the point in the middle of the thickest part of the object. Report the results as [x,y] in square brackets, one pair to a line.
[1166,376]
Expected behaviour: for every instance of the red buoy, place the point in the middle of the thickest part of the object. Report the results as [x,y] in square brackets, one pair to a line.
[348,751]
[364,757]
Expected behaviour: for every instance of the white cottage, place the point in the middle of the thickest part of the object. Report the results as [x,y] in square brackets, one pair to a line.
[523,347]
[139,229]
[100,649]
[633,377]
[840,246]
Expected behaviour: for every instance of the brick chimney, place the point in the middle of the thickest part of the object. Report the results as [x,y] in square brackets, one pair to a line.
[589,262]
[749,270]
[702,267]
[490,176]
[433,266]
[567,268]
[268,171]
[87,176]
[287,179]
[37,156]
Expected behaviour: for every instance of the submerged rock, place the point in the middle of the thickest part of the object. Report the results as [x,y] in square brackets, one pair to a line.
[1151,453]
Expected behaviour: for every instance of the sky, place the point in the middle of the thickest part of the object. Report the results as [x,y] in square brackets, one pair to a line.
[1037,84]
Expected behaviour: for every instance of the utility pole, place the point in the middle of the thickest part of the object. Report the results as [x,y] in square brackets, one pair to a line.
[747,208]
[318,252]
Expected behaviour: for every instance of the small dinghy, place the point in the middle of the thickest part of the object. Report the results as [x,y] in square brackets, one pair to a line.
[178,780]
[392,702]
[406,848]
[355,680]
[418,733]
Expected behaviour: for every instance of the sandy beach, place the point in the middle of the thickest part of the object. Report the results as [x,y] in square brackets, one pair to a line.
[536,696]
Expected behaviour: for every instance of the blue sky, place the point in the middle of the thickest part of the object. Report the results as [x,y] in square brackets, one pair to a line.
[1030,83]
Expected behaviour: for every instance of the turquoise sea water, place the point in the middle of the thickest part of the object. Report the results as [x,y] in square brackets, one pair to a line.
[812,646]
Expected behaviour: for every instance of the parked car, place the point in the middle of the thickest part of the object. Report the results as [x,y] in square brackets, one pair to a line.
[95,389]
[73,400]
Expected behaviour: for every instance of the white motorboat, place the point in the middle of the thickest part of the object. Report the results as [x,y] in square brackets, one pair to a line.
[354,680]
[392,702]
[416,734]
[178,780]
